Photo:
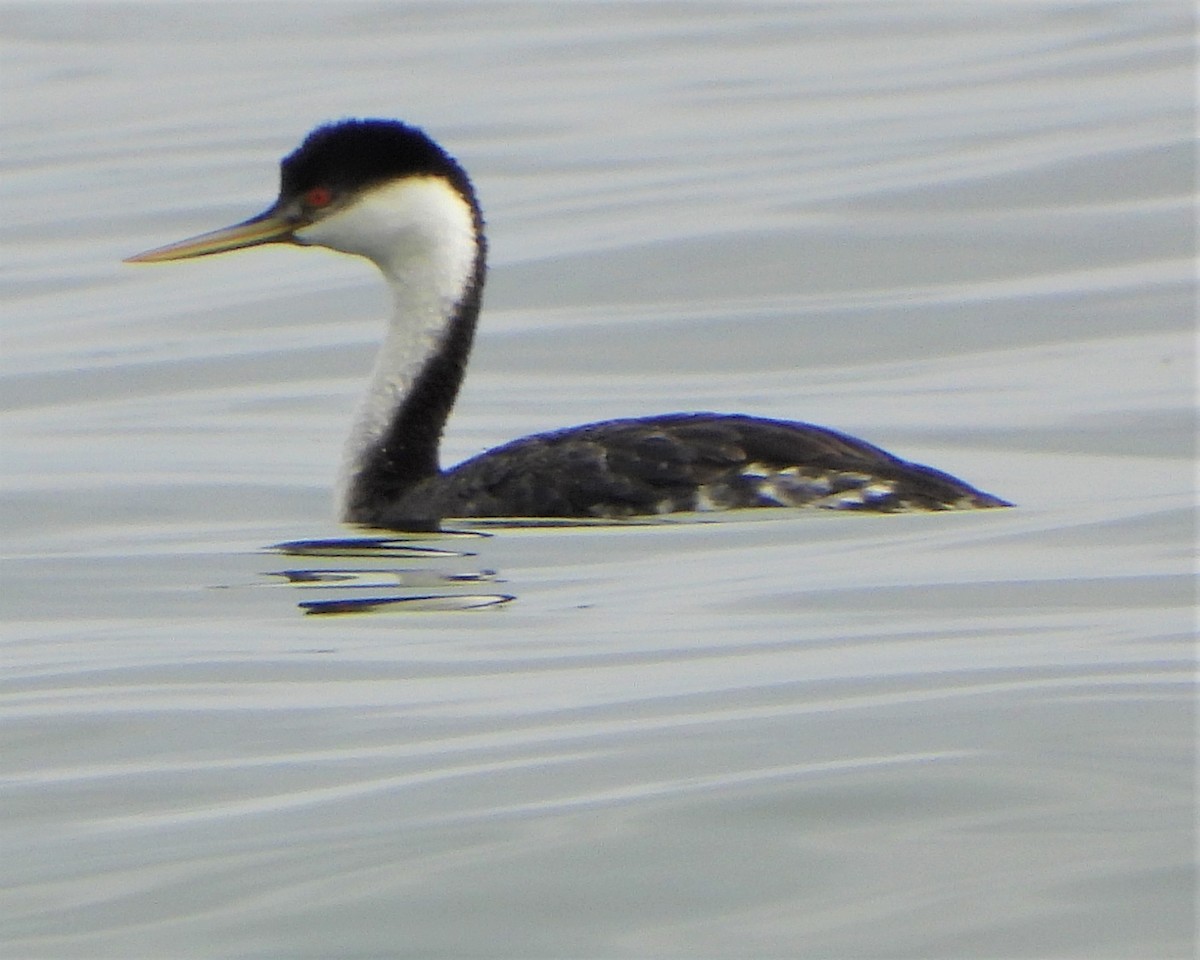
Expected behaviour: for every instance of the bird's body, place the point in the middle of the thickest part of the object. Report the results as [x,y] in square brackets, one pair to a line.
[384,190]
[672,463]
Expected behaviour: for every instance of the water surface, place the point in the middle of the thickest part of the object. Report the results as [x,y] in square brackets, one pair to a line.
[961,231]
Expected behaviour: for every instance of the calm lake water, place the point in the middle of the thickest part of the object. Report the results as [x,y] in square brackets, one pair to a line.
[960,230]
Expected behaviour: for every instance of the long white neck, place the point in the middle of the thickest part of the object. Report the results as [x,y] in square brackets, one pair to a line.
[423,235]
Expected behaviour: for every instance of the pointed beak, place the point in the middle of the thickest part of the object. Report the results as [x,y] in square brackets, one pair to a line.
[271,226]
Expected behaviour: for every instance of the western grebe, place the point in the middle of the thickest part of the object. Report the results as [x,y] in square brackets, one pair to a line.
[384,190]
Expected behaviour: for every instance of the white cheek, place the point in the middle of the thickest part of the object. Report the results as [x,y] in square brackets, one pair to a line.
[422,217]
[351,230]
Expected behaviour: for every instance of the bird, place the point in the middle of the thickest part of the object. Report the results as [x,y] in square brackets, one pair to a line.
[385,190]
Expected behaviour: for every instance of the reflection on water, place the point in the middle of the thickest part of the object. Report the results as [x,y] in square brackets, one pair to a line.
[378,578]
[394,547]
[390,548]
[440,603]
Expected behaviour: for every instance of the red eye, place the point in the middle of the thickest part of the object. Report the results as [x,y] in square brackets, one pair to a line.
[318,197]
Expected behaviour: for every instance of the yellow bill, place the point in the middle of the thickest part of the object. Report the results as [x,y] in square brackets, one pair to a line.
[268,227]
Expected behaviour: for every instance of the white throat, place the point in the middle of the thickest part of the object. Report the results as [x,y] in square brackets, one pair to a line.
[421,234]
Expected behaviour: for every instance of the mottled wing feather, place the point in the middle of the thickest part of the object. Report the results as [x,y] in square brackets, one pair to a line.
[682,462]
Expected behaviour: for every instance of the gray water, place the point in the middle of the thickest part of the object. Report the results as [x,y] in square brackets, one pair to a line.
[962,231]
